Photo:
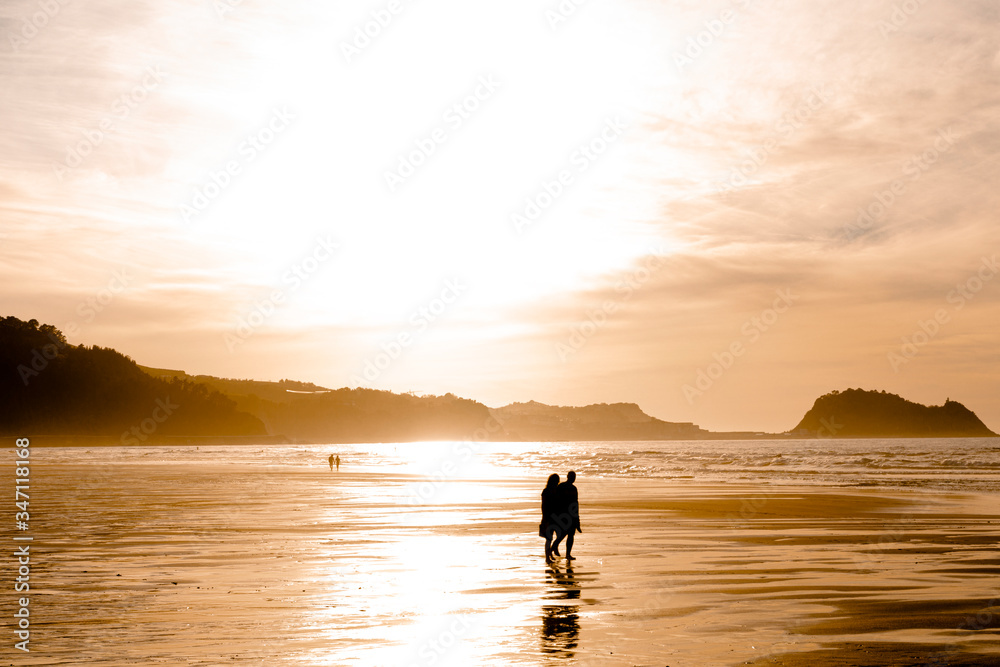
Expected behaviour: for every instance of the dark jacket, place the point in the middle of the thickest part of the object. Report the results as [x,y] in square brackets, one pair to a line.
[550,505]
[568,512]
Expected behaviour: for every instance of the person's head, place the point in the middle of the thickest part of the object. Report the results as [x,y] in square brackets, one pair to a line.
[571,477]
[553,481]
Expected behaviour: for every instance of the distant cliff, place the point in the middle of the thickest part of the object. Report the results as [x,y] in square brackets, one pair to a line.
[50,387]
[369,415]
[856,413]
[603,421]
[307,412]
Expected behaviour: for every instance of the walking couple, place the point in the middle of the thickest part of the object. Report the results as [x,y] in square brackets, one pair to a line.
[560,515]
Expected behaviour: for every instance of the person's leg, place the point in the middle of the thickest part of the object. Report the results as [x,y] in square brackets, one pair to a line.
[560,534]
[549,534]
[569,546]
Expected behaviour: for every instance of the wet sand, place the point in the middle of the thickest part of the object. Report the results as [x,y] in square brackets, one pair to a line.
[217,564]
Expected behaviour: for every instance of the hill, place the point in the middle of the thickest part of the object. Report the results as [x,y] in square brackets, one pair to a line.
[308,412]
[282,391]
[49,387]
[616,421]
[856,413]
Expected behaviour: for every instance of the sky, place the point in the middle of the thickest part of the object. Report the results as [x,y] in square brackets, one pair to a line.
[717,210]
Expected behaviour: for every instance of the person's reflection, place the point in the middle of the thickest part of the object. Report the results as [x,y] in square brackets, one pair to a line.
[561,622]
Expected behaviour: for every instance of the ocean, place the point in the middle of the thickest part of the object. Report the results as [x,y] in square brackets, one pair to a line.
[963,464]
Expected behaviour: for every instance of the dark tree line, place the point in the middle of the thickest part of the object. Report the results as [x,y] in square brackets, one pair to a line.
[48,386]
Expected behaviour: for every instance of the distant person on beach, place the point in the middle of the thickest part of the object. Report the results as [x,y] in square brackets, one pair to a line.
[338,462]
[331,461]
[550,506]
[567,514]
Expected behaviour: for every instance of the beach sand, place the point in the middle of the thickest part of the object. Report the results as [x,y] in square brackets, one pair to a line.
[150,564]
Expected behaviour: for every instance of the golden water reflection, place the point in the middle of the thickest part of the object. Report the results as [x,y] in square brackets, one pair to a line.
[561,617]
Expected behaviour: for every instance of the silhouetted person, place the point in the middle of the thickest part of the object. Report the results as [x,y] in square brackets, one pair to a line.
[331,461]
[567,514]
[550,508]
[338,462]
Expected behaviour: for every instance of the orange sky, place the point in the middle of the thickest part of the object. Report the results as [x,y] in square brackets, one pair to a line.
[717,210]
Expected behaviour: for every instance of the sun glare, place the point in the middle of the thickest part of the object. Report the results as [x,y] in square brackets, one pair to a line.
[490,209]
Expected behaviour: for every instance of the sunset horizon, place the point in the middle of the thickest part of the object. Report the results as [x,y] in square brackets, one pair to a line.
[656,332]
[38,361]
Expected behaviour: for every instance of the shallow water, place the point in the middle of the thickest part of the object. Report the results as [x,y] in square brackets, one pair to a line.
[971,464]
[695,553]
